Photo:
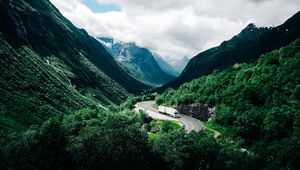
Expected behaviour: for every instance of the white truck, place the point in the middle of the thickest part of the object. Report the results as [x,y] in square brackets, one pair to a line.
[168,111]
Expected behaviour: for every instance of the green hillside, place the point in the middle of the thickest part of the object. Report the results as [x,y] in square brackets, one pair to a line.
[65,103]
[48,65]
[258,102]
[246,47]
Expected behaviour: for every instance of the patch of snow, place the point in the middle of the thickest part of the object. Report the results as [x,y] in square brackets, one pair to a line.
[106,44]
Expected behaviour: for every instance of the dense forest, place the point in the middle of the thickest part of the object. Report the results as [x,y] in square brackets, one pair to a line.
[97,139]
[67,104]
[257,103]
[46,61]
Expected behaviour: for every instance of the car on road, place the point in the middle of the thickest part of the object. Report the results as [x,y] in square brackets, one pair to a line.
[168,111]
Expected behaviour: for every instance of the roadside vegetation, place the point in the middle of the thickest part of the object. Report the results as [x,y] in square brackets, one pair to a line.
[256,116]
[98,139]
[256,105]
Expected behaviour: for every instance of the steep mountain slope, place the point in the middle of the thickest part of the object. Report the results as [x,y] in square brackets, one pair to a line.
[244,48]
[47,65]
[139,62]
[165,66]
[259,102]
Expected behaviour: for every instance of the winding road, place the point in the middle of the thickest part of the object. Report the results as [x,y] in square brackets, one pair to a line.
[189,123]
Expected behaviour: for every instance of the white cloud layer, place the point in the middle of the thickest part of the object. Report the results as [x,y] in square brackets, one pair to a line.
[177,28]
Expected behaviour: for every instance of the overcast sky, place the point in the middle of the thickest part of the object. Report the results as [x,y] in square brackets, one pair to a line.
[174,28]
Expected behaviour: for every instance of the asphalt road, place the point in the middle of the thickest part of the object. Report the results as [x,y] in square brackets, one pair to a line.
[189,123]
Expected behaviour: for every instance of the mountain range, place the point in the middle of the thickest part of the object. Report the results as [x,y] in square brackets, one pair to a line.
[66,99]
[165,66]
[246,47]
[46,61]
[137,61]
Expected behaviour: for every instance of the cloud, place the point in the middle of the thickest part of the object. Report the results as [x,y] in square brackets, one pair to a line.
[176,28]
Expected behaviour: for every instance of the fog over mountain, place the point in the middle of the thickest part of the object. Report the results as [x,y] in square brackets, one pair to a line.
[174,28]
[73,97]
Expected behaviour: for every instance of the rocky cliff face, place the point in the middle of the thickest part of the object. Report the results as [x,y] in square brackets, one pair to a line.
[138,62]
[165,66]
[199,111]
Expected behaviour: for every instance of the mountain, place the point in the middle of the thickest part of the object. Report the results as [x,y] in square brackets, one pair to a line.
[139,62]
[245,47]
[165,66]
[180,64]
[46,61]
[257,102]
